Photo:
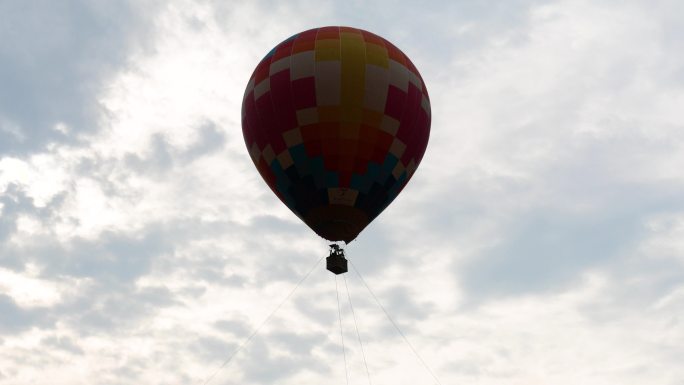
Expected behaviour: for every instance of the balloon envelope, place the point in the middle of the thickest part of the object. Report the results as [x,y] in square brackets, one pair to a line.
[336,120]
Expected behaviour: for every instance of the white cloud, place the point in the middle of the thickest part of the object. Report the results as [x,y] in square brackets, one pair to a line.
[28,291]
[539,242]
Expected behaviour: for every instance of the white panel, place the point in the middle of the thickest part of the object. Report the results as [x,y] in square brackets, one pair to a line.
[413,78]
[375,93]
[279,65]
[302,65]
[399,75]
[307,116]
[262,88]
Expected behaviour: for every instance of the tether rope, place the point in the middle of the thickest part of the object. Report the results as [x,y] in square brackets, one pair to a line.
[254,333]
[339,312]
[395,325]
[357,329]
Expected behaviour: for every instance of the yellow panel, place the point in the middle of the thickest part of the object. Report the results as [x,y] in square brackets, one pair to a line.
[307,116]
[377,55]
[327,49]
[268,154]
[353,76]
[398,170]
[389,125]
[292,137]
[285,159]
[342,196]
[397,148]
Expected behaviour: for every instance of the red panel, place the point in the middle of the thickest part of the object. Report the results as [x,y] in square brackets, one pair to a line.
[349,29]
[424,135]
[394,106]
[384,141]
[304,46]
[328,33]
[368,134]
[285,116]
[373,38]
[407,121]
[304,93]
[418,140]
[261,72]
[378,156]
[330,147]
[365,150]
[382,146]
[330,162]
[250,119]
[306,41]
[348,148]
[329,130]
[409,64]
[310,133]
[266,114]
[283,50]
[314,148]
[344,176]
[360,166]
[395,54]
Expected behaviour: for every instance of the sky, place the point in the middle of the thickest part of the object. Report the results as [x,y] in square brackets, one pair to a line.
[541,240]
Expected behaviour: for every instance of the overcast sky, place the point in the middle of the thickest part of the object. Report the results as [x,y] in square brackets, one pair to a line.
[541,240]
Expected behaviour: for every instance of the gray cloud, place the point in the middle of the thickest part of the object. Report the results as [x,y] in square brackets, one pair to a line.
[590,217]
[214,349]
[62,343]
[111,308]
[113,257]
[15,319]
[544,252]
[314,310]
[162,157]
[54,58]
[235,327]
[263,366]
[211,139]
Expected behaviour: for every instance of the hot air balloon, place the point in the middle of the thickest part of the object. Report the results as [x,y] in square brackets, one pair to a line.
[336,120]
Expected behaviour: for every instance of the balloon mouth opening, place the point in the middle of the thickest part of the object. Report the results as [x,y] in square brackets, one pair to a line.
[337,222]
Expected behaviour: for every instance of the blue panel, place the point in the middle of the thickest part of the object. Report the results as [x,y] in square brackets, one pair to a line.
[318,171]
[332,179]
[372,174]
[301,160]
[394,190]
[356,182]
[298,153]
[387,167]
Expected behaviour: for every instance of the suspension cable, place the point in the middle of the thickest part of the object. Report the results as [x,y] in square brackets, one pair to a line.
[395,325]
[339,312]
[254,333]
[357,329]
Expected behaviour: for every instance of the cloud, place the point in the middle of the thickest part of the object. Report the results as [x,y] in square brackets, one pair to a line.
[55,60]
[17,319]
[539,242]
[63,343]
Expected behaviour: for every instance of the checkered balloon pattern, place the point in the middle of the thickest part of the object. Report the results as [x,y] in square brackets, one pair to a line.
[336,120]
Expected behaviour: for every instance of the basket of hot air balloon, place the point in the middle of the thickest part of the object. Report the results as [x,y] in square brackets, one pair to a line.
[336,120]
